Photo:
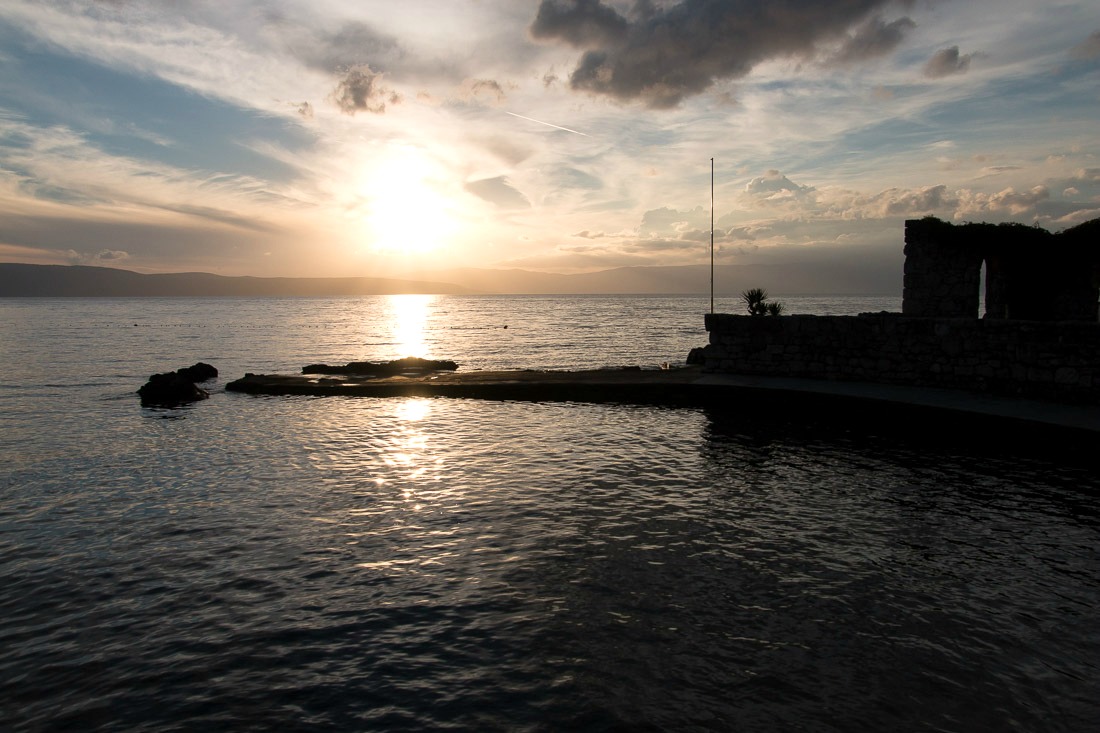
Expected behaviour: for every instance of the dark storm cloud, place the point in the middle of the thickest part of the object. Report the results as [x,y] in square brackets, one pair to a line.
[581,23]
[872,39]
[947,62]
[361,90]
[660,55]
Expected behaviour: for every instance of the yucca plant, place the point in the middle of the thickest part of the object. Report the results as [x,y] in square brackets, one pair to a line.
[756,301]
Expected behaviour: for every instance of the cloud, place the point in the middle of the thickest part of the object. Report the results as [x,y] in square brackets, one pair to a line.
[474,90]
[664,54]
[1087,49]
[1009,201]
[352,45]
[946,62]
[666,221]
[96,258]
[773,182]
[500,192]
[893,204]
[305,109]
[574,178]
[1076,217]
[996,170]
[361,90]
[581,23]
[873,39]
[928,200]
[774,189]
[663,246]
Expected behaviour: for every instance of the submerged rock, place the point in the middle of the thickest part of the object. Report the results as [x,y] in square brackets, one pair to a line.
[174,388]
[384,368]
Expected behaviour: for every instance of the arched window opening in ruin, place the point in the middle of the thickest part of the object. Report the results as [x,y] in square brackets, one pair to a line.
[982,312]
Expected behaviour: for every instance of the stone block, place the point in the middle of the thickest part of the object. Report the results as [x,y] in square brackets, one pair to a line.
[1066,375]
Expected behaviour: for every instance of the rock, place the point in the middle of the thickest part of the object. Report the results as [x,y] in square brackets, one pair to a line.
[696,356]
[174,388]
[199,372]
[170,389]
[384,368]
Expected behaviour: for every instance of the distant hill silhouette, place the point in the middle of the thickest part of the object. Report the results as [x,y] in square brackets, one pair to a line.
[78,280]
[823,278]
[878,277]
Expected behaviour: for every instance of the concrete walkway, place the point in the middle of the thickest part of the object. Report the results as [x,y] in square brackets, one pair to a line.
[688,386]
[1081,417]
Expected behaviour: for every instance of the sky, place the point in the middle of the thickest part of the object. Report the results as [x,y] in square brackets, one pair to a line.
[326,138]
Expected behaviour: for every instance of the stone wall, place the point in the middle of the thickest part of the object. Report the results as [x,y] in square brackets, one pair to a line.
[1057,361]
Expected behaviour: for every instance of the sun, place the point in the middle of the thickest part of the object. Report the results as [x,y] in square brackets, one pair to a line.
[407,210]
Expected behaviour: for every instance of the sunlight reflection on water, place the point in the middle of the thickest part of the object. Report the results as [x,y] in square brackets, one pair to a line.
[408,320]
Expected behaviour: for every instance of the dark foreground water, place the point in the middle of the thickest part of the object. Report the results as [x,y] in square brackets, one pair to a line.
[358,564]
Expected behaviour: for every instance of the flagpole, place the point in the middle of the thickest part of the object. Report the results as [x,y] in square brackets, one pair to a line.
[712,235]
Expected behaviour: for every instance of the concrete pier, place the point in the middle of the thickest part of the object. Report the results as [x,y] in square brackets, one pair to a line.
[693,387]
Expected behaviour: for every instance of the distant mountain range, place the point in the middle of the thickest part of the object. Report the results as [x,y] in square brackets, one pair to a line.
[847,278]
[809,278]
[79,280]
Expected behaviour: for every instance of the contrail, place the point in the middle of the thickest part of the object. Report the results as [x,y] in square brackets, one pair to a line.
[556,127]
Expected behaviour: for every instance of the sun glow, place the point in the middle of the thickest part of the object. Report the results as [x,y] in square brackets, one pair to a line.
[407,209]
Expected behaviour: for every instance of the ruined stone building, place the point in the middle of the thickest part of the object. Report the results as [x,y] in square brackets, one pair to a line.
[1039,336]
[1030,274]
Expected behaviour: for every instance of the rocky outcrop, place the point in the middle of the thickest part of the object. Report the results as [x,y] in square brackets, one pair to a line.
[178,387]
[199,372]
[409,364]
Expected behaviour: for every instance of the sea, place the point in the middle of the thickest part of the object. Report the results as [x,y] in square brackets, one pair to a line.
[252,563]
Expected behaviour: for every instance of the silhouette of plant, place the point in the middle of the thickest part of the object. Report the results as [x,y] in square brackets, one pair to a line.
[756,301]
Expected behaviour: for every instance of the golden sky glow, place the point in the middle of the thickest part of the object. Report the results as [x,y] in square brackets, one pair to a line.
[299,138]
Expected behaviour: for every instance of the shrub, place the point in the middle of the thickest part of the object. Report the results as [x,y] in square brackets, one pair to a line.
[756,301]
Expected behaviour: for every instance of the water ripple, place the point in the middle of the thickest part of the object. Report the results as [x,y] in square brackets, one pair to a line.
[415,564]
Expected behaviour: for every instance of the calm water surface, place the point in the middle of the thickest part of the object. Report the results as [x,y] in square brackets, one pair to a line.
[412,564]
